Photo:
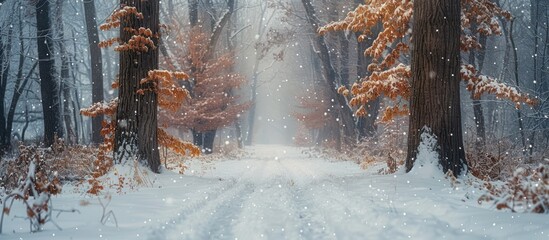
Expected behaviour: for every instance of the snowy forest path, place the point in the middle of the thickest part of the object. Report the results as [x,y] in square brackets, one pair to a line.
[278,192]
[272,194]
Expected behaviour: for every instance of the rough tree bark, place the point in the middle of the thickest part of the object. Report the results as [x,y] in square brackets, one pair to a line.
[435,101]
[51,106]
[136,129]
[96,66]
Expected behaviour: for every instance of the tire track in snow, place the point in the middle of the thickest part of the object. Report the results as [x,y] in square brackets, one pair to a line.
[223,217]
[192,206]
[313,224]
[345,216]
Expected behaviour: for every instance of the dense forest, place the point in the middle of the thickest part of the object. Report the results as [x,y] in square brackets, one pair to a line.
[105,96]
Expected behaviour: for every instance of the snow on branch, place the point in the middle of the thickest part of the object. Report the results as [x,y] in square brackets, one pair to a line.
[481,84]
[101,108]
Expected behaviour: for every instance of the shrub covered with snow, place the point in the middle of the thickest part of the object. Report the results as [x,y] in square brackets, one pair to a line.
[34,191]
[526,191]
[67,163]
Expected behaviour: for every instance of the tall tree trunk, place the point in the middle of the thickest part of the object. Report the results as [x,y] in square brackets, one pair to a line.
[261,27]
[65,83]
[24,130]
[341,107]
[193,12]
[198,138]
[232,46]
[238,133]
[5,65]
[253,100]
[435,101]
[477,105]
[209,138]
[517,82]
[344,59]
[96,66]
[51,106]
[539,19]
[4,70]
[78,118]
[136,130]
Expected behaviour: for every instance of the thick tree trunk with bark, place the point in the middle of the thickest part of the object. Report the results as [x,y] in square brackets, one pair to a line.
[136,129]
[96,66]
[435,101]
[49,87]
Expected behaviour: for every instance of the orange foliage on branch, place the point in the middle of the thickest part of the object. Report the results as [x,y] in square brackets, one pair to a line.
[103,162]
[170,96]
[114,20]
[176,145]
[137,43]
[212,104]
[140,41]
[389,77]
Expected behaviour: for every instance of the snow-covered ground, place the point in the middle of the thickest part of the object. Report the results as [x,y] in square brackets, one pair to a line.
[278,192]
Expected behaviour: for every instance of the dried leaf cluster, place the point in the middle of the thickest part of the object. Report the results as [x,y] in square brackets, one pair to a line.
[526,191]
